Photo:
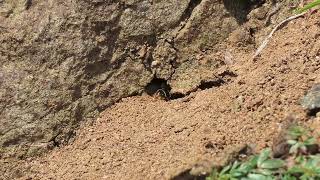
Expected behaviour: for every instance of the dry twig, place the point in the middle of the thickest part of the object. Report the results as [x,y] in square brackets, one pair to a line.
[266,40]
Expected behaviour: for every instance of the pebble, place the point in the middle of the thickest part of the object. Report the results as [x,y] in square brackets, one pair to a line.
[311,101]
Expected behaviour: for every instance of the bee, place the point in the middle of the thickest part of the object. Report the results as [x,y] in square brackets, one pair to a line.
[159,89]
[162,94]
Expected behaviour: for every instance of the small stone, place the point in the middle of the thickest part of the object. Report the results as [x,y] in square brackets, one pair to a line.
[311,101]
[228,58]
[154,63]
[143,51]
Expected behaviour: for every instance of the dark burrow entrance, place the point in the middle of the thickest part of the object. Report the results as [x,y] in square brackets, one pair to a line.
[239,9]
[160,88]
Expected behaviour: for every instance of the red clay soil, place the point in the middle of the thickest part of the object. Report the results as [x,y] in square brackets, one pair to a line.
[148,138]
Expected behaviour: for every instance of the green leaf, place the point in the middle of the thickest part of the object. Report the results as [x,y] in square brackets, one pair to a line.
[253,161]
[296,131]
[295,170]
[236,174]
[305,177]
[292,142]
[313,162]
[315,157]
[310,141]
[258,177]
[308,6]
[213,175]
[235,165]
[266,172]
[245,167]
[288,177]
[294,148]
[225,169]
[318,172]
[224,177]
[273,164]
[300,159]
[263,156]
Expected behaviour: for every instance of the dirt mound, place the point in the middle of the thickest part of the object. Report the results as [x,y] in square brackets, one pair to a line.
[149,138]
[63,62]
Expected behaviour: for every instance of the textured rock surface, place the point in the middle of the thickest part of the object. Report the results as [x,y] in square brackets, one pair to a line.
[311,100]
[62,62]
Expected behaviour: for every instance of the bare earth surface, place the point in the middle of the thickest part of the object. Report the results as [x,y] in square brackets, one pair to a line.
[148,138]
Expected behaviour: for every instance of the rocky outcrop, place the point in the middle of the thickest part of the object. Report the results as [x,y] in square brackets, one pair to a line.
[64,61]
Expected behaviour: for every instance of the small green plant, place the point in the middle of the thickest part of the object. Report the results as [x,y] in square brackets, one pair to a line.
[306,167]
[257,167]
[300,139]
[300,164]
[309,6]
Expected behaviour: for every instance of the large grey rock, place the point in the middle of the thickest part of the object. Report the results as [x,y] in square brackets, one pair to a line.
[64,61]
